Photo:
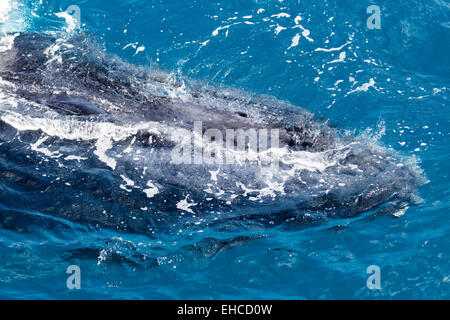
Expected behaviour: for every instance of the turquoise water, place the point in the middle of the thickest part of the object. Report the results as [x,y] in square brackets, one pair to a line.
[392,83]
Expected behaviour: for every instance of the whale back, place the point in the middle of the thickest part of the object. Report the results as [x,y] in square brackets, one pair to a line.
[101,133]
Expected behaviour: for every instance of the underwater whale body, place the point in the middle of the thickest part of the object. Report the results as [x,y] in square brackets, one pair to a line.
[89,138]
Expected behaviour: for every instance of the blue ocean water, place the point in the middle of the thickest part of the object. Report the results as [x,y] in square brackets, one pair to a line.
[392,82]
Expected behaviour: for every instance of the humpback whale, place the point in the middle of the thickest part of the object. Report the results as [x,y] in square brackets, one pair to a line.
[87,137]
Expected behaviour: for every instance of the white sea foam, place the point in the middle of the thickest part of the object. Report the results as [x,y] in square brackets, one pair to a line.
[332,49]
[152,190]
[364,86]
[5,8]
[72,16]
[105,133]
[295,40]
[185,205]
[281,15]
[7,41]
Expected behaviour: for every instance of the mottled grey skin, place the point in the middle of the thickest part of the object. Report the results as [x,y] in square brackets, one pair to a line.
[119,83]
[90,85]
